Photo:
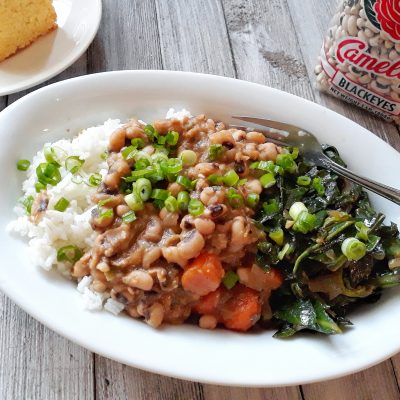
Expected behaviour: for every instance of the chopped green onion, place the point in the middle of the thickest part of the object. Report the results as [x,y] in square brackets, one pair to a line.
[129,217]
[77,179]
[73,164]
[235,199]
[134,201]
[286,162]
[48,173]
[150,132]
[39,187]
[278,170]
[171,166]
[263,165]
[231,178]
[305,222]
[252,200]
[61,204]
[23,165]
[267,180]
[318,186]
[277,236]
[172,138]
[143,188]
[271,207]
[95,179]
[159,156]
[104,155]
[353,249]
[296,209]
[215,151]
[171,204]
[107,213]
[241,182]
[102,203]
[161,149]
[195,207]
[183,200]
[188,157]
[215,179]
[137,143]
[303,180]
[26,203]
[287,249]
[142,163]
[185,182]
[230,279]
[53,155]
[69,253]
[295,153]
[159,194]
[363,231]
[129,152]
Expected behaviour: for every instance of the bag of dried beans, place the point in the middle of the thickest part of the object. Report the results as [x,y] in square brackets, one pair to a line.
[360,57]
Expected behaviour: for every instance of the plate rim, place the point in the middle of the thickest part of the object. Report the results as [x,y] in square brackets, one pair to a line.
[41,317]
[30,82]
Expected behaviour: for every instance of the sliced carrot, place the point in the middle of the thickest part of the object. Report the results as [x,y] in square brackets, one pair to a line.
[203,275]
[209,304]
[273,279]
[242,310]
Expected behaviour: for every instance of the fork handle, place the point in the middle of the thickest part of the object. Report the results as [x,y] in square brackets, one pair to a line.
[388,192]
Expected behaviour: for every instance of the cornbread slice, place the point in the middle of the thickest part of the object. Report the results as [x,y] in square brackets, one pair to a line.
[22,22]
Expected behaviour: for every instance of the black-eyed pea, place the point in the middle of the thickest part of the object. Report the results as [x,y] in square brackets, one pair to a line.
[208,322]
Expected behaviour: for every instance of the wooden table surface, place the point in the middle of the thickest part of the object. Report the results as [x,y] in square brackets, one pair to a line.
[273,42]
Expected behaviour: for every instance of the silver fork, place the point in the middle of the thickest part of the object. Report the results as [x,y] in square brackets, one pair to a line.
[310,148]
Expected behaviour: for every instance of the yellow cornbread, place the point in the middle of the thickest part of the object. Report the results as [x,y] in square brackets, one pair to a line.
[22,22]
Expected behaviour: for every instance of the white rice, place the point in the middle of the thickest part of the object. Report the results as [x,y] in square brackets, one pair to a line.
[71,227]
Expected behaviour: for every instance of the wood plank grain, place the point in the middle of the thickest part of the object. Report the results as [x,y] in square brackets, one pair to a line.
[35,362]
[193,37]
[374,383]
[212,392]
[127,39]
[262,53]
[310,21]
[117,381]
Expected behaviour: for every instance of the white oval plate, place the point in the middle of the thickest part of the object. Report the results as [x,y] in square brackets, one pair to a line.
[221,357]
[78,22]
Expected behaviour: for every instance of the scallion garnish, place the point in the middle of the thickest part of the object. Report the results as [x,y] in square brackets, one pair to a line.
[183,201]
[277,236]
[305,222]
[271,207]
[129,152]
[61,205]
[231,178]
[26,203]
[171,166]
[215,151]
[185,182]
[296,209]
[73,164]
[94,179]
[134,201]
[129,217]
[286,162]
[106,213]
[188,157]
[230,279]
[23,165]
[252,200]
[54,154]
[235,199]
[303,181]
[171,204]
[195,207]
[39,187]
[143,188]
[160,194]
[138,143]
[48,173]
[69,253]
[267,180]
[318,186]
[172,138]
[150,132]
[215,179]
[353,249]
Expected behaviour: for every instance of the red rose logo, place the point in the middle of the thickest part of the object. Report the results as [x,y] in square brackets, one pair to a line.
[388,15]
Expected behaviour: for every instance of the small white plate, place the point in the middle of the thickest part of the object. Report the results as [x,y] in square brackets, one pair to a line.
[78,22]
[220,356]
